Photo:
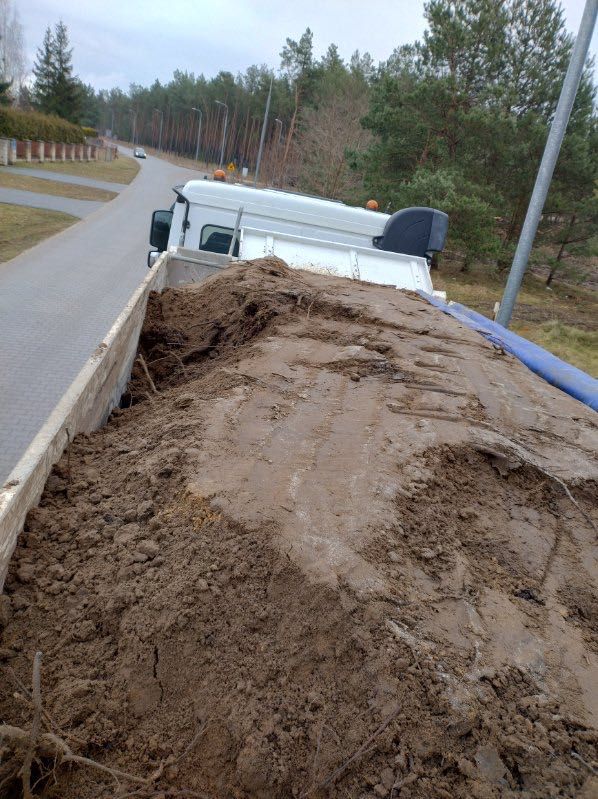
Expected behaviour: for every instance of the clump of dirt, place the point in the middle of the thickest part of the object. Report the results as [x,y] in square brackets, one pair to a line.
[328,557]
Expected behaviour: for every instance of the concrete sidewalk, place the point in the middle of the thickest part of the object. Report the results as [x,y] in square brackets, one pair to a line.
[64,177]
[60,298]
[49,202]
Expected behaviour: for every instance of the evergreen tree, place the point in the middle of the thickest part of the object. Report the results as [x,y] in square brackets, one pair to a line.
[67,93]
[331,60]
[44,73]
[362,65]
[89,108]
[55,90]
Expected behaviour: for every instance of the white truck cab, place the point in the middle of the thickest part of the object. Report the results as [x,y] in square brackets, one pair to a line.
[307,232]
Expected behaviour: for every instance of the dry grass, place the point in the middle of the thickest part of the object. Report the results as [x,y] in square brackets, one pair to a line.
[572,344]
[563,320]
[11,180]
[21,228]
[122,170]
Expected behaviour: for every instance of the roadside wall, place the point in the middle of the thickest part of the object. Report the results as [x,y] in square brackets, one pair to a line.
[39,151]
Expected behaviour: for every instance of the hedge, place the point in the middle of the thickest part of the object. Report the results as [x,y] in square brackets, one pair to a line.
[91,133]
[16,124]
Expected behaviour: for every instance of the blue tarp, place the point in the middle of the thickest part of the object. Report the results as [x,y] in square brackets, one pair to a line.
[556,372]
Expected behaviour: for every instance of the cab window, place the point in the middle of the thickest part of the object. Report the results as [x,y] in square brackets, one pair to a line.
[217,239]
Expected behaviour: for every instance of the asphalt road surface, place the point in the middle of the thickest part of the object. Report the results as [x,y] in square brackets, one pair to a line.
[60,298]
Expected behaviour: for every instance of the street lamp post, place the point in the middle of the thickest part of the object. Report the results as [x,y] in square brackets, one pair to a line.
[161,123]
[218,102]
[198,130]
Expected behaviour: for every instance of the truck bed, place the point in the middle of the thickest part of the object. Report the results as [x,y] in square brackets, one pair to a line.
[328,521]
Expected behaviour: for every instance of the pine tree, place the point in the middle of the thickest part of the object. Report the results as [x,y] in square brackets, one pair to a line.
[90,112]
[44,73]
[55,90]
[331,60]
[362,65]
[67,94]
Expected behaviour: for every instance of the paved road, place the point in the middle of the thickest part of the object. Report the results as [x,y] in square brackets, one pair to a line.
[49,202]
[59,299]
[62,177]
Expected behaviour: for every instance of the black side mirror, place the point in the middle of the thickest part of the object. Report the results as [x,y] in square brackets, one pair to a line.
[160,229]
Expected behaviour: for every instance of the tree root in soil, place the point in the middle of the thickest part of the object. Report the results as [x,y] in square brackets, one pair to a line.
[366,747]
[23,749]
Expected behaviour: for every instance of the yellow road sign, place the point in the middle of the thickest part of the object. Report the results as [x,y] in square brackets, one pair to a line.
[231,167]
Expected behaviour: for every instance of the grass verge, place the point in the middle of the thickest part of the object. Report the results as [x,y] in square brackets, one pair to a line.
[563,320]
[122,170]
[21,228]
[572,344]
[11,180]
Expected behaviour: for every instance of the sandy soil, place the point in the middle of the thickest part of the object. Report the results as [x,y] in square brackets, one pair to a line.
[331,555]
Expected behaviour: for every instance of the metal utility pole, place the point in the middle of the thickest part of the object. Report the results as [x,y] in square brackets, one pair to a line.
[161,123]
[218,102]
[263,136]
[279,122]
[549,159]
[134,124]
[199,111]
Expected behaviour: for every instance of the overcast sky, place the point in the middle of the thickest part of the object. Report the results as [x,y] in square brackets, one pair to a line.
[119,42]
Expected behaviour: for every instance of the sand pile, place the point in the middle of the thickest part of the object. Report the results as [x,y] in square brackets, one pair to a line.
[328,553]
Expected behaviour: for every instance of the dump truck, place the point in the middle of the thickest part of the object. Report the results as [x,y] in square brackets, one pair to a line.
[306,232]
[295,533]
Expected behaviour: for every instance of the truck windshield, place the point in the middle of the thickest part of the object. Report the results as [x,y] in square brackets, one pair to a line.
[217,239]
